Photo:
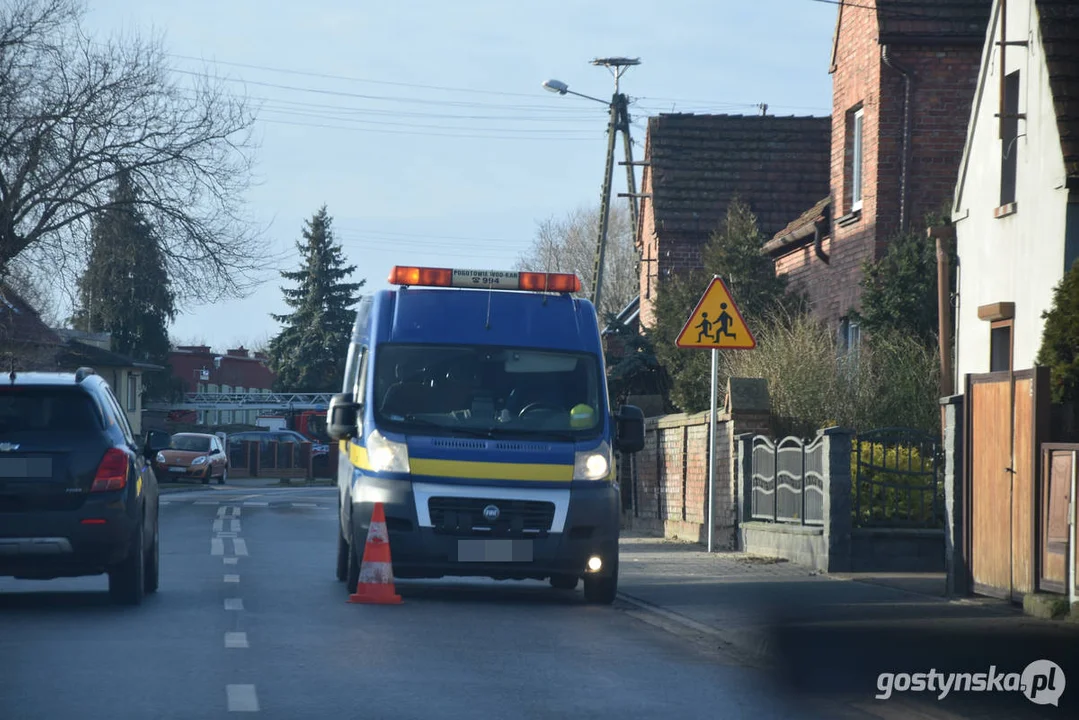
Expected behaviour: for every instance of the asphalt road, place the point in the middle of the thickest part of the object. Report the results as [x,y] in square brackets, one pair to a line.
[250,619]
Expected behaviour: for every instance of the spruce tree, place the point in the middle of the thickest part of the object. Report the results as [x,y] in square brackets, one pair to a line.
[125,289]
[308,355]
[1059,350]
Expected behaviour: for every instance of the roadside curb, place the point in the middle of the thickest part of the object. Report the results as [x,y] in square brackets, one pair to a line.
[754,652]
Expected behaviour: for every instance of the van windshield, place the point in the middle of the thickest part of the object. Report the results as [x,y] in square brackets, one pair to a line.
[488,390]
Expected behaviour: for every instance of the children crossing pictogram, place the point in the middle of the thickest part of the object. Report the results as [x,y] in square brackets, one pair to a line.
[716,323]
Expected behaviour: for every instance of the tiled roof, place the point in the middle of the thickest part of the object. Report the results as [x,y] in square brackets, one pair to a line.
[20,323]
[76,354]
[1059,20]
[697,163]
[809,217]
[954,19]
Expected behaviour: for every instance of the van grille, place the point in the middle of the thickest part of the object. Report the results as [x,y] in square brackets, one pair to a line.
[464,516]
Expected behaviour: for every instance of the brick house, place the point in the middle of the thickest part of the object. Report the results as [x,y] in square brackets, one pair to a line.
[904,74]
[198,369]
[695,164]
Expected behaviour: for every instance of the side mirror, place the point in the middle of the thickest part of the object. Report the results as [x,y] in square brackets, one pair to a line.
[341,417]
[629,433]
[156,441]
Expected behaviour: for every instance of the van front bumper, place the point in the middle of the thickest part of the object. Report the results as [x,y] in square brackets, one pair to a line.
[591,529]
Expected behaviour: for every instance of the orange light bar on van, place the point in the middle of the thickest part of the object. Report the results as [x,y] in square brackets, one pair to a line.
[486,279]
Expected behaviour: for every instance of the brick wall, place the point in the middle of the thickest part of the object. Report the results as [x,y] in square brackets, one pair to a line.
[942,92]
[943,83]
[855,83]
[668,479]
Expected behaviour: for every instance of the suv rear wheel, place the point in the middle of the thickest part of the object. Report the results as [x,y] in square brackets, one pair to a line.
[127,579]
[151,573]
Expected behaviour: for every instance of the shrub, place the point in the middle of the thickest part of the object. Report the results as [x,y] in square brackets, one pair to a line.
[906,497]
[813,383]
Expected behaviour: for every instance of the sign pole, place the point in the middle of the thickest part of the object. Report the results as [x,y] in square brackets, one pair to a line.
[716,324]
[712,451]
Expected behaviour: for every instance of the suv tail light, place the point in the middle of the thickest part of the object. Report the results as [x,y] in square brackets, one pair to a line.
[112,472]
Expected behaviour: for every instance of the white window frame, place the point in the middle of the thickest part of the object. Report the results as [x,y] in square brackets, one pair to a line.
[857,148]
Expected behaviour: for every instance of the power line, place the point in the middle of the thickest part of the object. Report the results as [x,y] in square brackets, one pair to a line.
[326,126]
[553,132]
[363,96]
[347,78]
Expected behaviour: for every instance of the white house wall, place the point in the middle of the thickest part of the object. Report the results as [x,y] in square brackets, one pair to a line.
[1018,258]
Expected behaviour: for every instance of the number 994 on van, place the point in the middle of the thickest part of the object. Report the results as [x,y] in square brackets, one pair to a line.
[474,408]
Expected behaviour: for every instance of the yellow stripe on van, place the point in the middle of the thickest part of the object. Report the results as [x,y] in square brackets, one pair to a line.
[472,469]
[492,470]
[357,455]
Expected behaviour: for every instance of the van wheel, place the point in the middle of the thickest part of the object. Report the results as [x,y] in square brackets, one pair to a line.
[127,579]
[601,590]
[342,557]
[564,582]
[353,569]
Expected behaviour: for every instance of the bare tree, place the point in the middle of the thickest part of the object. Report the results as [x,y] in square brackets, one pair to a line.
[568,244]
[32,281]
[75,112]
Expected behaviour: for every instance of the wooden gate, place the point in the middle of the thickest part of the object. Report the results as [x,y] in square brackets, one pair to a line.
[1058,470]
[1007,418]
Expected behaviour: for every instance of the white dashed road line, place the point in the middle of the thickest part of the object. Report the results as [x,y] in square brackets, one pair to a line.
[226,534]
[221,511]
[242,698]
[219,525]
[230,560]
[304,505]
[232,578]
[251,503]
[236,640]
[217,546]
[234,525]
[239,546]
[208,502]
[234,604]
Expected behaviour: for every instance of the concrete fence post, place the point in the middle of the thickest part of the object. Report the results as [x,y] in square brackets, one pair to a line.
[744,478]
[955,567]
[838,487]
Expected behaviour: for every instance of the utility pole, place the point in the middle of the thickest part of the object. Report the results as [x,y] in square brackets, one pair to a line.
[618,120]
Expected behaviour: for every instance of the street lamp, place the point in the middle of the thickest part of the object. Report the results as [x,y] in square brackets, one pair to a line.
[618,120]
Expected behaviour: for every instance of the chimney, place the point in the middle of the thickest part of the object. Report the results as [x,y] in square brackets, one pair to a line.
[240,352]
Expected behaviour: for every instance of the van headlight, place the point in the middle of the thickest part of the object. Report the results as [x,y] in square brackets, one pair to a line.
[594,464]
[384,455]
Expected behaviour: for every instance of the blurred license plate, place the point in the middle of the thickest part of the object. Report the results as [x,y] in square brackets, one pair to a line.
[177,468]
[494,551]
[25,467]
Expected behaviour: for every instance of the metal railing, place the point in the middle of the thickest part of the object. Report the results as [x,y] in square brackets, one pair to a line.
[788,481]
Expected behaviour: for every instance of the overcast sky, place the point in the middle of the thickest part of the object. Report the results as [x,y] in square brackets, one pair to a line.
[455,151]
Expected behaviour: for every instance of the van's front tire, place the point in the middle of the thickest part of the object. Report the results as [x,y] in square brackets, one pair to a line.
[353,575]
[601,589]
[342,557]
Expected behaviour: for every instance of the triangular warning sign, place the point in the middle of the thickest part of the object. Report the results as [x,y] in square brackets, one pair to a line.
[716,323]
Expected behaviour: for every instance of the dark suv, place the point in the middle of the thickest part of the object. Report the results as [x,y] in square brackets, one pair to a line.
[77,493]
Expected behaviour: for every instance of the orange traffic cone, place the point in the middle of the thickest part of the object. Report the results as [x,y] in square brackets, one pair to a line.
[376,572]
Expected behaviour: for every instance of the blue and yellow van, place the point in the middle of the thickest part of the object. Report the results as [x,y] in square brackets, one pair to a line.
[475,409]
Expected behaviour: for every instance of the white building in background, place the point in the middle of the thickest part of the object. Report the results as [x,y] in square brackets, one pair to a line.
[1016,210]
